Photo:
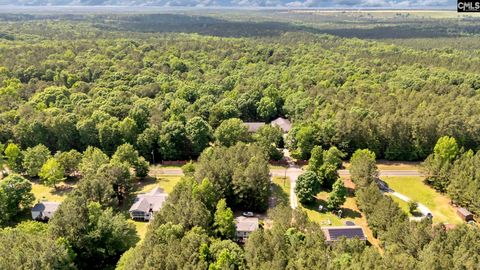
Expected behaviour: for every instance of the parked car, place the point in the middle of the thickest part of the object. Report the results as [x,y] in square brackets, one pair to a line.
[247,214]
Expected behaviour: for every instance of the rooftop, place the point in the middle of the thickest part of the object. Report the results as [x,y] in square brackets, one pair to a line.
[152,200]
[246,224]
[464,211]
[254,126]
[349,232]
[45,207]
[283,123]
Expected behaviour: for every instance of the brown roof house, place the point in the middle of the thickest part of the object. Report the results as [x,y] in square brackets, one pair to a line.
[245,226]
[333,234]
[283,123]
[43,211]
[254,126]
[146,205]
[464,214]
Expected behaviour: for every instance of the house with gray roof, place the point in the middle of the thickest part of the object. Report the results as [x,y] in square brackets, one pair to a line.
[245,226]
[43,211]
[254,126]
[283,123]
[146,205]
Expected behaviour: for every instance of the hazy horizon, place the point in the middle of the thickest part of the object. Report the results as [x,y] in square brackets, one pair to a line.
[242,4]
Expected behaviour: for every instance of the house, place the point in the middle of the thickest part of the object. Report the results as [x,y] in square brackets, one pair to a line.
[333,234]
[283,123]
[464,214]
[146,205]
[254,126]
[245,226]
[43,211]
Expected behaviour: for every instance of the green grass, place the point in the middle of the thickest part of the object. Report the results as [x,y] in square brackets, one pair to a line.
[141,228]
[417,190]
[43,192]
[402,204]
[166,182]
[281,190]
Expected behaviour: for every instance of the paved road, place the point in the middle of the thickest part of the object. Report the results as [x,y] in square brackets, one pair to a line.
[388,173]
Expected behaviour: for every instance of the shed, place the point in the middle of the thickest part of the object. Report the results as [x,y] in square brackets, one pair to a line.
[43,211]
[464,214]
[333,234]
[254,126]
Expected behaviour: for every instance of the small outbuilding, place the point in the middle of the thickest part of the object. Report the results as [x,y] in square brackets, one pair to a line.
[335,233]
[254,126]
[464,214]
[43,211]
[283,123]
[245,226]
[146,205]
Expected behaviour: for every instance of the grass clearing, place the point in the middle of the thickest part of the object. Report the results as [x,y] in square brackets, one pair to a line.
[50,194]
[141,228]
[417,190]
[281,190]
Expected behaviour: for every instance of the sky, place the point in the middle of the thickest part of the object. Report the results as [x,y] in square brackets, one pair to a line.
[248,3]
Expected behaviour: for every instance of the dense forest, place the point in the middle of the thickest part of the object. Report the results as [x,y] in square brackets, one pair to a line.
[96,99]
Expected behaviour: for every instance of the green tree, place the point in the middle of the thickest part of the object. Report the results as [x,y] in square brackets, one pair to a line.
[93,158]
[15,196]
[338,196]
[18,244]
[52,172]
[224,222]
[70,161]
[98,236]
[231,131]
[34,158]
[363,167]
[199,134]
[266,109]
[308,185]
[446,149]
[14,157]
[173,141]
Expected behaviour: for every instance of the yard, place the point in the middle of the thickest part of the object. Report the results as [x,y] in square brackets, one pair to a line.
[165,181]
[350,211]
[50,194]
[413,187]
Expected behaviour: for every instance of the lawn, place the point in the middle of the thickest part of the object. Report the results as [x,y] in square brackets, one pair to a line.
[281,190]
[165,181]
[45,193]
[413,187]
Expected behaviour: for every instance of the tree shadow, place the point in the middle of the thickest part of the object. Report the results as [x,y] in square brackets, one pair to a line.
[140,184]
[350,213]
[278,196]
[350,192]
[62,190]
